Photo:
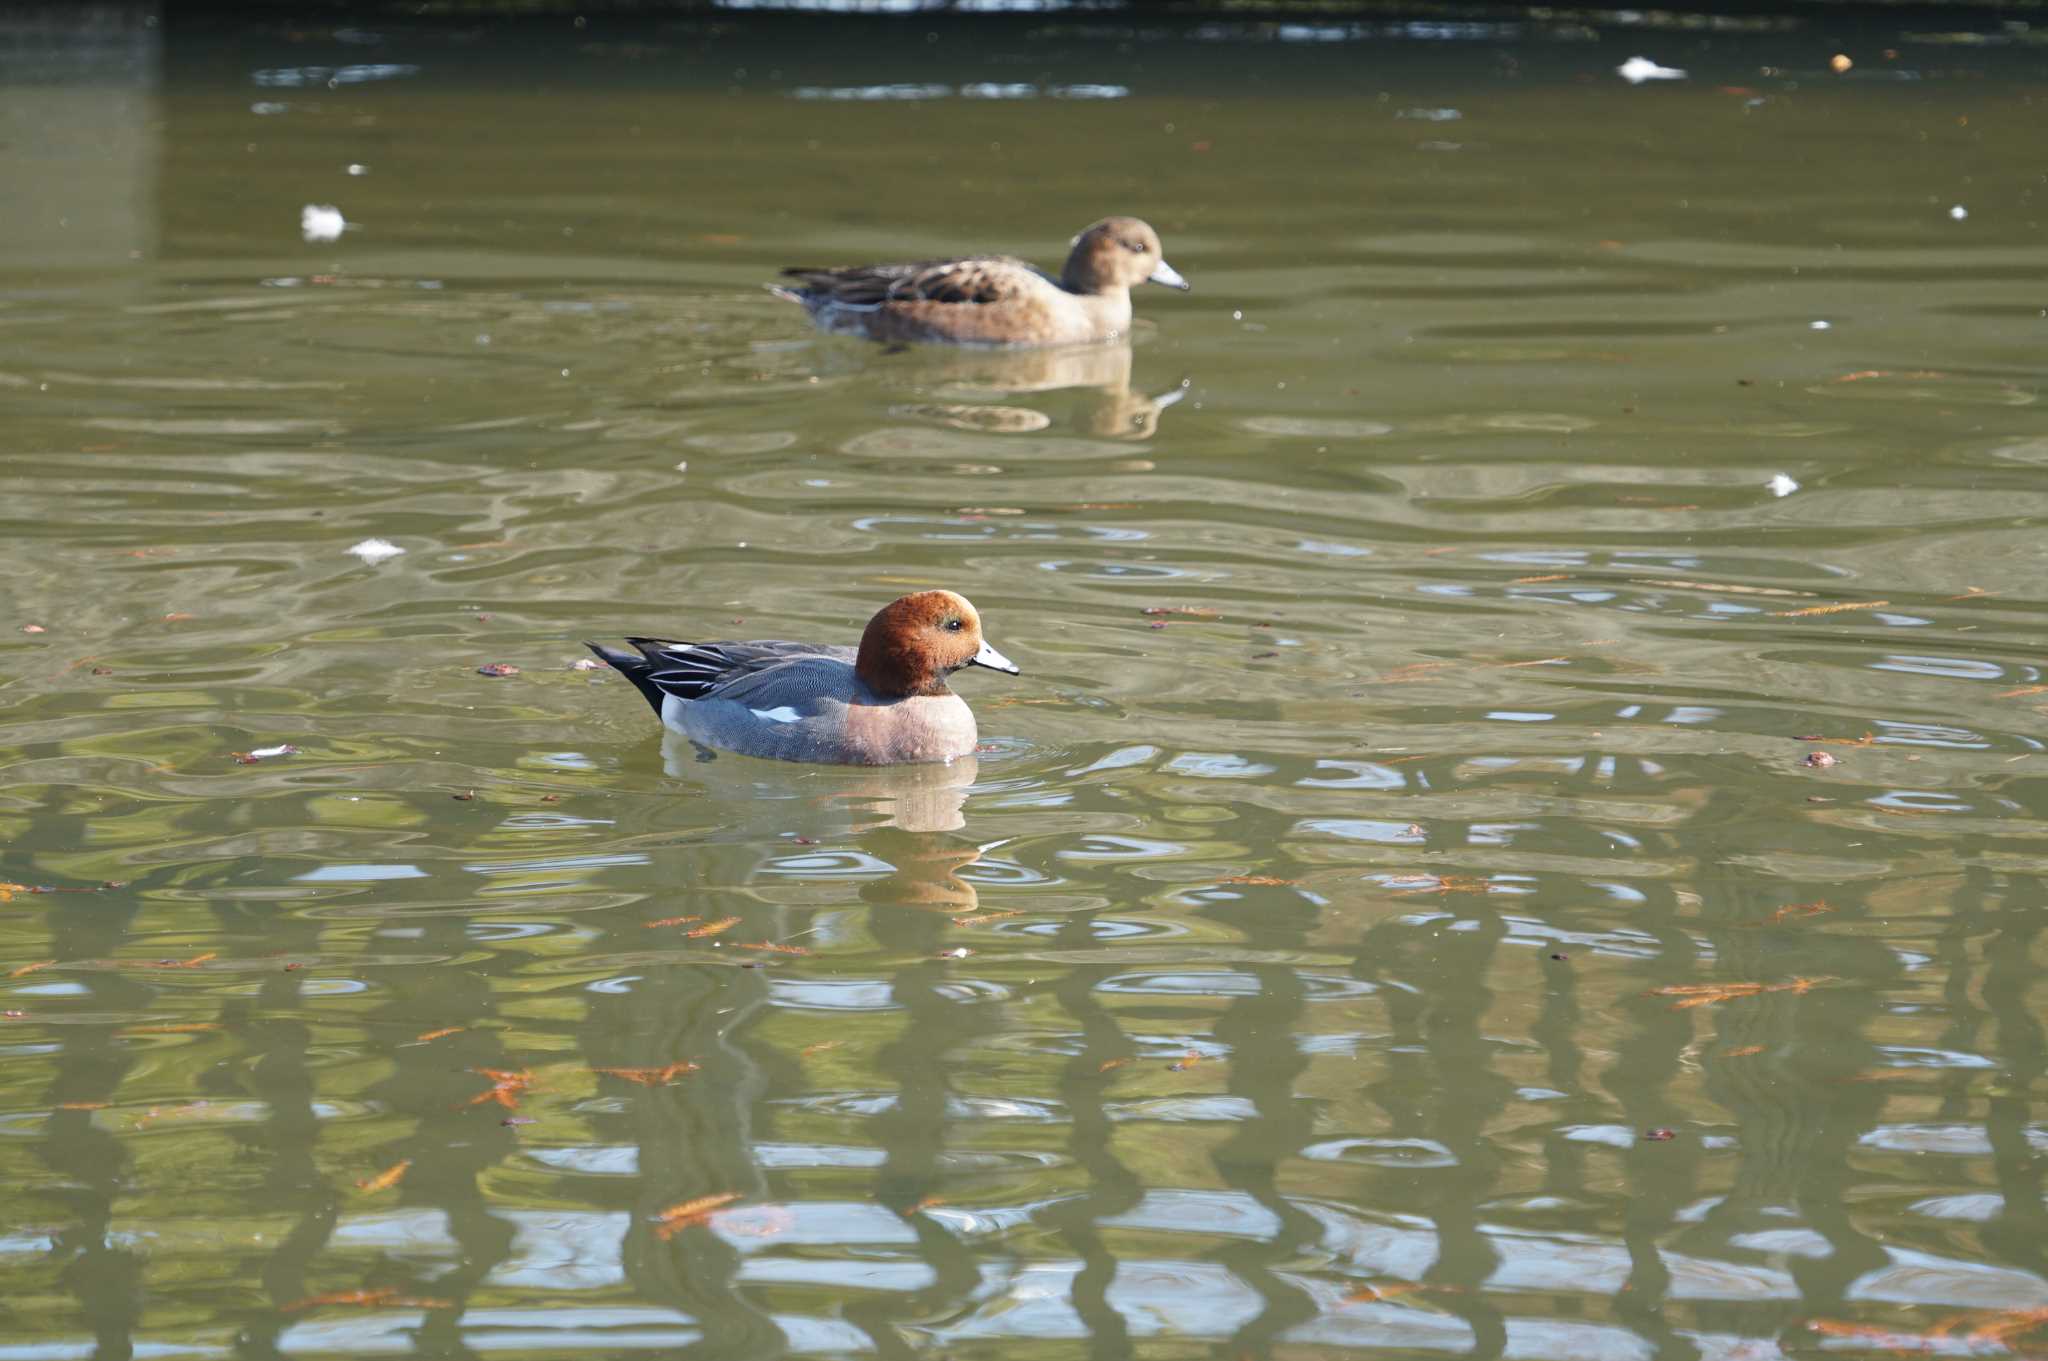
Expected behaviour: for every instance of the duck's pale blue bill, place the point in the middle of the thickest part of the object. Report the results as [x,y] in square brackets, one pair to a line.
[993,660]
[1168,275]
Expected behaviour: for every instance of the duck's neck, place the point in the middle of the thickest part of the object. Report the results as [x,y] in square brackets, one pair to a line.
[1080,276]
[896,673]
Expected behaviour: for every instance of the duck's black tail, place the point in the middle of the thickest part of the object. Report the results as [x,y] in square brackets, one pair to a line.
[634,668]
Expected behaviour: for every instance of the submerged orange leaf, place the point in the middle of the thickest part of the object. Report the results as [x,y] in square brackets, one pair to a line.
[1812,909]
[713,928]
[32,968]
[386,1179]
[650,1077]
[1108,1065]
[1707,994]
[172,1028]
[1743,1052]
[978,918]
[1367,1293]
[672,921]
[1887,1339]
[820,1047]
[1266,880]
[928,1203]
[681,1215]
[506,1087]
[1438,883]
[1531,581]
[438,1034]
[775,946]
[2002,1328]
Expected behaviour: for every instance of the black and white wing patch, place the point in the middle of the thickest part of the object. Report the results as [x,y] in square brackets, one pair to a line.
[665,668]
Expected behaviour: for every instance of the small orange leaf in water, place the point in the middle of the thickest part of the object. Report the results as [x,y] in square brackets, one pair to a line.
[1812,909]
[1365,1294]
[979,918]
[82,1105]
[2002,1329]
[32,968]
[361,1298]
[1266,880]
[2020,693]
[1887,1339]
[928,1203]
[1812,610]
[1531,581]
[775,947]
[506,1087]
[1438,883]
[1707,994]
[713,928]
[820,1047]
[386,1179]
[651,1077]
[672,921]
[1109,1065]
[681,1215]
[1743,1052]
[1188,1060]
[1190,611]
[442,1033]
[179,617]
[180,1028]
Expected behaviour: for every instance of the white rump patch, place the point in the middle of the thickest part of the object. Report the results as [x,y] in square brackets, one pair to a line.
[780,714]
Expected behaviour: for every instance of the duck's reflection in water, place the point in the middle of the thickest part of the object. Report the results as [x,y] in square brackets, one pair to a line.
[818,801]
[894,815]
[1111,407]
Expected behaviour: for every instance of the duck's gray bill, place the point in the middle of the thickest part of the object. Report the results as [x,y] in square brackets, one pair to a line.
[993,660]
[1168,275]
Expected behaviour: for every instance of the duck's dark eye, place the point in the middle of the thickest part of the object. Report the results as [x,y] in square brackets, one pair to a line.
[953,626]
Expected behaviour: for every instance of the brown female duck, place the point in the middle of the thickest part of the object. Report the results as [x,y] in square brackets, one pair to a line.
[992,299]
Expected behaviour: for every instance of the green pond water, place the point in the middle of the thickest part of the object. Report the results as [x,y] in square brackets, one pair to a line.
[1520,832]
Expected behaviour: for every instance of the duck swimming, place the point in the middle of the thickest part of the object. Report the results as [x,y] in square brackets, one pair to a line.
[883,703]
[992,299]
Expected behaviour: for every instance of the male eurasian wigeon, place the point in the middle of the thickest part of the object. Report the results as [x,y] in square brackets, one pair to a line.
[992,299]
[884,703]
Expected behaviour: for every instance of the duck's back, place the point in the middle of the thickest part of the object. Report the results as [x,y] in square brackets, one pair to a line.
[981,300]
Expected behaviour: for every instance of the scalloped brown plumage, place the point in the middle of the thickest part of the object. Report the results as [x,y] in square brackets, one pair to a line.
[992,299]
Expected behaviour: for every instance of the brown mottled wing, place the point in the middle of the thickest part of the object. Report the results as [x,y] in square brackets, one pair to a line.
[990,279]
